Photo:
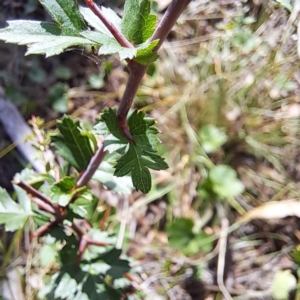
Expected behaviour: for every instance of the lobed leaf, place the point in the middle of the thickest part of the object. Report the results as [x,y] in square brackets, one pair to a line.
[78,285]
[145,54]
[138,24]
[109,44]
[64,190]
[31,178]
[71,144]
[105,175]
[136,158]
[212,138]
[85,206]
[283,283]
[181,236]
[66,14]
[41,37]
[118,267]
[180,233]
[224,181]
[70,30]
[12,214]
[49,38]
[87,281]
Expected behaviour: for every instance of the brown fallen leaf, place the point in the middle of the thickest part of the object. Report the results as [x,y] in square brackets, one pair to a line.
[273,210]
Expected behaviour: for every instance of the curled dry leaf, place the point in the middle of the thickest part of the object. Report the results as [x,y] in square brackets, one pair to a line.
[274,210]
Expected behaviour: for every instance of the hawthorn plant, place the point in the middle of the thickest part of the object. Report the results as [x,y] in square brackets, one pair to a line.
[59,200]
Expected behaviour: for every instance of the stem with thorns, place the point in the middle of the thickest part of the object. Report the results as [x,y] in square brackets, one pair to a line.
[137,71]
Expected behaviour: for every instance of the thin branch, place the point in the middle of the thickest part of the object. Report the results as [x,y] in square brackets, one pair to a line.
[92,167]
[43,229]
[42,205]
[32,191]
[87,224]
[78,230]
[82,235]
[84,241]
[82,246]
[168,20]
[136,75]
[93,242]
[104,219]
[110,26]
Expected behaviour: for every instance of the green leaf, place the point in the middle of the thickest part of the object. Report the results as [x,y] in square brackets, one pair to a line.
[108,263]
[180,233]
[31,178]
[196,244]
[79,283]
[283,283]
[109,45]
[286,4]
[58,97]
[66,14]
[64,190]
[136,158]
[212,138]
[103,37]
[62,72]
[41,37]
[96,23]
[105,175]
[102,236]
[145,54]
[66,286]
[118,267]
[138,24]
[47,254]
[225,182]
[85,206]
[296,254]
[68,20]
[49,38]
[71,145]
[96,81]
[37,74]
[12,214]
[122,283]
[181,236]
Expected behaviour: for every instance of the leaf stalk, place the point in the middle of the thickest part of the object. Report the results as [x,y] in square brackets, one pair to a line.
[92,167]
[110,26]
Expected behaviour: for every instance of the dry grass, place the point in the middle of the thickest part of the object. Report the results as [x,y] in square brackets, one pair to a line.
[233,65]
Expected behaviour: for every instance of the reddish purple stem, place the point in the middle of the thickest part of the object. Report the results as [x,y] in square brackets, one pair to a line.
[110,26]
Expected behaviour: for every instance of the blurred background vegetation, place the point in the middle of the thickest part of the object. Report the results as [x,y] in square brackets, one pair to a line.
[225,93]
